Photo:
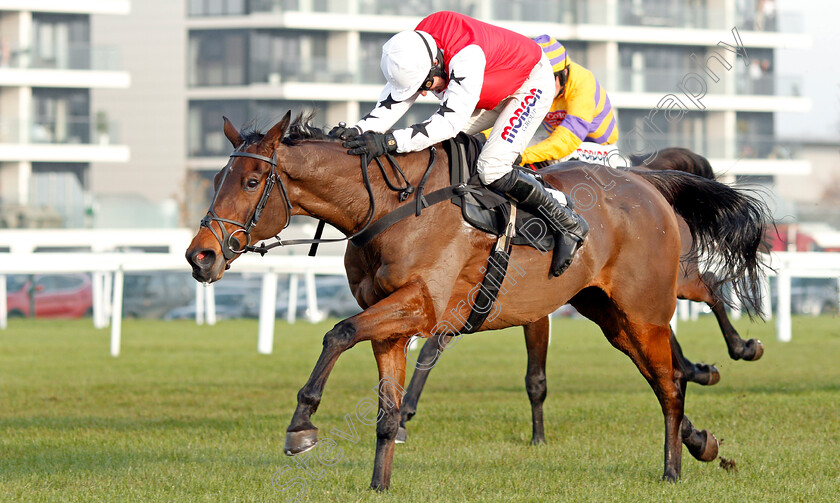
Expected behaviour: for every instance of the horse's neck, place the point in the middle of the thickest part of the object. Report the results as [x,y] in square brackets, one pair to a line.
[327,184]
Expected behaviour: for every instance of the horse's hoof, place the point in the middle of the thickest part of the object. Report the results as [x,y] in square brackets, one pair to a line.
[705,375]
[402,435]
[670,476]
[300,441]
[753,350]
[709,450]
[537,441]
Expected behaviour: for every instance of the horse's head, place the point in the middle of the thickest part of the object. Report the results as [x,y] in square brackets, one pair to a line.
[241,212]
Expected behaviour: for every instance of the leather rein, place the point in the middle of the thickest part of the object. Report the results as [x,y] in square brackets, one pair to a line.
[232,247]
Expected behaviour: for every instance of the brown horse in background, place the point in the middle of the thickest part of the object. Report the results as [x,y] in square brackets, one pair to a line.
[692,285]
[416,275]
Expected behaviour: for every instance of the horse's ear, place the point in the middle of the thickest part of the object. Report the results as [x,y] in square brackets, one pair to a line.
[274,135]
[232,134]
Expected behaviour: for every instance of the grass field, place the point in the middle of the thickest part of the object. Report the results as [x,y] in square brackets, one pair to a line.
[192,413]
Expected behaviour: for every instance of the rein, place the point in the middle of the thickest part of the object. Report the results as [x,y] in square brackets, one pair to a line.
[232,247]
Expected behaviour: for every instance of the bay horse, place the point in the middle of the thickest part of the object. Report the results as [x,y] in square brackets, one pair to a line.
[414,276]
[693,284]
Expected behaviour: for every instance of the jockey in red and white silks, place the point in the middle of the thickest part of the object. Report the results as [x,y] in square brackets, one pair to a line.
[492,77]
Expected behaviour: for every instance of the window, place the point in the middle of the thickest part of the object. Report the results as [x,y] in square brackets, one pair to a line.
[199,8]
[205,134]
[60,116]
[649,68]
[60,41]
[656,131]
[218,58]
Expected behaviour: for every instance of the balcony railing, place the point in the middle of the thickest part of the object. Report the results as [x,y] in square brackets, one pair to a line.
[72,57]
[76,131]
[661,13]
[739,80]
[744,146]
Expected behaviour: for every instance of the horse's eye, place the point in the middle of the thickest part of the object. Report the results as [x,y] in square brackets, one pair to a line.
[252,183]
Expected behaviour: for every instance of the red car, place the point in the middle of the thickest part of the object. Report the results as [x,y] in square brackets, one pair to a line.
[56,295]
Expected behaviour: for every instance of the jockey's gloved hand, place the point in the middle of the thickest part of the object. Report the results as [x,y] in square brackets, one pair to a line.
[343,132]
[373,144]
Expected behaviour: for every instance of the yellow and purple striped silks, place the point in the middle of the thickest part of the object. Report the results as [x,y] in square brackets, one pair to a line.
[582,113]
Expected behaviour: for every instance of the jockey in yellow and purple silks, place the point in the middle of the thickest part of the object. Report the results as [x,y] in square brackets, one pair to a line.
[581,122]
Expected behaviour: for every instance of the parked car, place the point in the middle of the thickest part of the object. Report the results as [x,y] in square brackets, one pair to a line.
[56,295]
[333,296]
[234,299]
[153,294]
[813,296]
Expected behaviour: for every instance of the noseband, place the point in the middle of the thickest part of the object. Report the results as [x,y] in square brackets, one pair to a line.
[226,240]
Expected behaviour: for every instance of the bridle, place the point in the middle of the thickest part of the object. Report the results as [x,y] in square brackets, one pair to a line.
[226,239]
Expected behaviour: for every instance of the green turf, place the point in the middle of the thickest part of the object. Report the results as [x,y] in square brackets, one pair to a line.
[191,413]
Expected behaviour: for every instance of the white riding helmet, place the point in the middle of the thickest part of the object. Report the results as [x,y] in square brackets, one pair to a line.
[407,61]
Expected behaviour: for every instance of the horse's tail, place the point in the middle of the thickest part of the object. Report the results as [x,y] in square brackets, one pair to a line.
[677,159]
[727,228]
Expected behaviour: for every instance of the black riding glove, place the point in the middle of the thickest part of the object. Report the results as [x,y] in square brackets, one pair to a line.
[373,144]
[343,132]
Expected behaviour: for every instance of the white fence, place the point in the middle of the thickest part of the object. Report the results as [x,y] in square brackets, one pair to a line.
[108,268]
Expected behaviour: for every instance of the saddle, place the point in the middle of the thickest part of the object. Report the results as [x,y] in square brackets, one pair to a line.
[481,207]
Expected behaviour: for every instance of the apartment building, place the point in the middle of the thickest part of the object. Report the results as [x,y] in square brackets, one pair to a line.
[695,74]
[49,132]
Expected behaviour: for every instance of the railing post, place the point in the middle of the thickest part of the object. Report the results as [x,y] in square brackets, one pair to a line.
[265,342]
[98,286]
[116,312]
[4,314]
[784,331]
[199,303]
[210,304]
[291,313]
[312,313]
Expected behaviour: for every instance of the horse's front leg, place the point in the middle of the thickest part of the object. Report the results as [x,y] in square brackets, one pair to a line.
[398,316]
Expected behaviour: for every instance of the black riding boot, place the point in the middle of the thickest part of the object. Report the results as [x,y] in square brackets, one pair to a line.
[569,228]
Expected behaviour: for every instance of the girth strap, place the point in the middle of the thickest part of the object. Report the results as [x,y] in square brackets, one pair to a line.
[497,266]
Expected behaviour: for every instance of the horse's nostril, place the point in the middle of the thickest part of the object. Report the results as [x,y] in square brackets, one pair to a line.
[203,258]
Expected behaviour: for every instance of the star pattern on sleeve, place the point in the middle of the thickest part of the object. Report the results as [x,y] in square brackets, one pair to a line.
[444,109]
[453,78]
[369,116]
[387,102]
[420,128]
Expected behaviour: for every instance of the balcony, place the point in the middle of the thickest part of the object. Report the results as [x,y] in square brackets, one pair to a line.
[72,140]
[74,57]
[746,147]
[661,13]
[739,80]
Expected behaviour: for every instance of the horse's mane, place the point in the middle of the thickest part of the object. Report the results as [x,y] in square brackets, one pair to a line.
[300,129]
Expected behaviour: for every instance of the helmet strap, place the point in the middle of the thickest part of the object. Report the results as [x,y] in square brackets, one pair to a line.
[436,69]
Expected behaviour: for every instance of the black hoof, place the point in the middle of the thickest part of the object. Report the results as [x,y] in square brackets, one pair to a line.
[537,441]
[707,450]
[753,350]
[402,435]
[300,441]
[670,476]
[705,375]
